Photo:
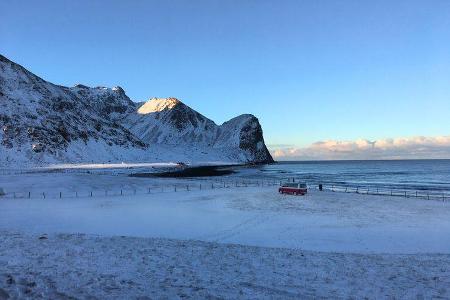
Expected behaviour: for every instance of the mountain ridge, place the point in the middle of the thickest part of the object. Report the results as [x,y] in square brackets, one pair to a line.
[43,123]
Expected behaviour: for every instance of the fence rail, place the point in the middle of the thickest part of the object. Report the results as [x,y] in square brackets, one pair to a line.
[127,191]
[406,193]
[211,185]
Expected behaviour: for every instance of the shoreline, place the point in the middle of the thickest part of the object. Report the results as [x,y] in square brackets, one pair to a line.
[160,167]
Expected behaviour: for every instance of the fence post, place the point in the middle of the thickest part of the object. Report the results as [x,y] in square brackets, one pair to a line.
[121,192]
[76,194]
[187,187]
[91,193]
[200,186]
[212,185]
[148,191]
[60,195]
[175,188]
[43,195]
[14,195]
[405,194]
[29,195]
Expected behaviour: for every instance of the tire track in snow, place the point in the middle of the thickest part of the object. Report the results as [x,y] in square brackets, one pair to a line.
[241,227]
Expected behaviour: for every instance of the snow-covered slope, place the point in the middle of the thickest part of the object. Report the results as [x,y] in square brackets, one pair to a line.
[43,123]
[169,121]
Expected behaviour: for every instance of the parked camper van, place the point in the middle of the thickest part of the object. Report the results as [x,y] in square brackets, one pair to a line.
[293,188]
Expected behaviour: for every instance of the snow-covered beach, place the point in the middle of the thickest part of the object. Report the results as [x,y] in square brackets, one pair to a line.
[232,242]
[85,266]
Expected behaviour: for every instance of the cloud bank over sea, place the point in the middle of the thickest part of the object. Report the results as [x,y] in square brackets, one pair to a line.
[418,147]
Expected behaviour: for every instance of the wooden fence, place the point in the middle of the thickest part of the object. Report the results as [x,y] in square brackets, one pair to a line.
[203,185]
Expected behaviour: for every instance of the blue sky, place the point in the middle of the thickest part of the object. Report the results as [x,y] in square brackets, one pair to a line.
[310,70]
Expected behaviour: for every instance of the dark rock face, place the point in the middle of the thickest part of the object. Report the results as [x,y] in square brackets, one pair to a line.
[246,133]
[181,117]
[38,119]
[252,140]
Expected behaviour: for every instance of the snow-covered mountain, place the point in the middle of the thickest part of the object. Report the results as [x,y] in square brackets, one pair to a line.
[43,123]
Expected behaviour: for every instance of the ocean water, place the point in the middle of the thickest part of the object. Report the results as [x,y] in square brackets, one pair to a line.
[411,175]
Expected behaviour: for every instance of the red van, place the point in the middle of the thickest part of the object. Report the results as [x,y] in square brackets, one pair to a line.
[293,188]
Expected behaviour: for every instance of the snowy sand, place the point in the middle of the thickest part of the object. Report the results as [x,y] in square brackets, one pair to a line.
[353,245]
[80,266]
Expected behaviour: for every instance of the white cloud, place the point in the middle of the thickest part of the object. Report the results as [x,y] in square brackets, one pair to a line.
[399,148]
